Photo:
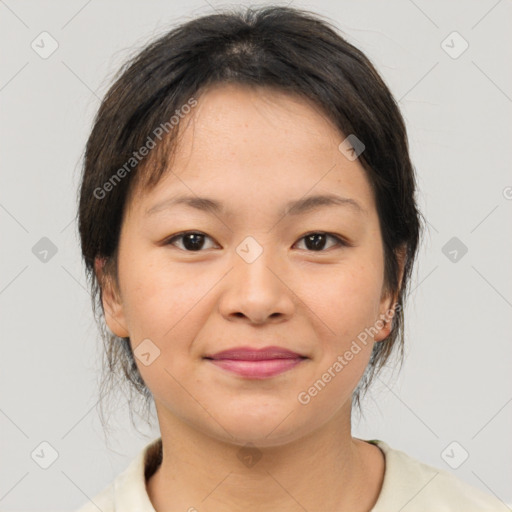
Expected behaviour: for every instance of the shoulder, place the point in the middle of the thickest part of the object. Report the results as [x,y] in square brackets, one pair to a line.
[104,501]
[412,486]
[128,491]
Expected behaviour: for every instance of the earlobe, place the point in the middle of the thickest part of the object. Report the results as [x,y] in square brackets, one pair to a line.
[111,302]
[384,324]
[386,316]
[389,308]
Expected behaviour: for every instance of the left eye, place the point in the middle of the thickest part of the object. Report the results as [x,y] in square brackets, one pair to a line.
[317,240]
[193,241]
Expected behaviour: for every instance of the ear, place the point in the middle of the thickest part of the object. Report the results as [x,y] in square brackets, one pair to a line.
[388,301]
[110,298]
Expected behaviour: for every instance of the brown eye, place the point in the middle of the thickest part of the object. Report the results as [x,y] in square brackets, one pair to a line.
[316,241]
[192,241]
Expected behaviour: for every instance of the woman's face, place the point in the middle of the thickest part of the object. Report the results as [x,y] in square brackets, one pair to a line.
[251,277]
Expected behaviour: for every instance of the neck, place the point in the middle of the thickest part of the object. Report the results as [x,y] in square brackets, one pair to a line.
[326,470]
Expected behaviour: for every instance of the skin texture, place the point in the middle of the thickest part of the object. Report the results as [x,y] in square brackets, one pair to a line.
[254,150]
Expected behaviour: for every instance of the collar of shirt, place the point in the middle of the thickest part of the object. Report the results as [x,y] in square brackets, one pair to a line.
[408,484]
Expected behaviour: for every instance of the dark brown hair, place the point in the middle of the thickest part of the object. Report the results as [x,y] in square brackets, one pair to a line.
[293,50]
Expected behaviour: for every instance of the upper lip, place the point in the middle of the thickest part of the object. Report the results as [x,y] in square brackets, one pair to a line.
[255,354]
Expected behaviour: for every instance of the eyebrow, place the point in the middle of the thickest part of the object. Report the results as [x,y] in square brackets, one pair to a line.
[296,207]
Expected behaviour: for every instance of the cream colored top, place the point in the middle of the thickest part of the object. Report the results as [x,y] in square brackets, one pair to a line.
[408,486]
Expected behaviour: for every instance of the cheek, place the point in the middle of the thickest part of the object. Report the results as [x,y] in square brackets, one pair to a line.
[346,300]
[164,306]
[158,299]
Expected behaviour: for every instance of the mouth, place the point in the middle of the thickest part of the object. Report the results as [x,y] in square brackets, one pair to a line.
[256,363]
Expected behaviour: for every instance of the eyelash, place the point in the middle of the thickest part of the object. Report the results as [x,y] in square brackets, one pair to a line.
[340,241]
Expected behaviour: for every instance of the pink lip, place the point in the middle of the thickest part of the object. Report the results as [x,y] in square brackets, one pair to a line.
[256,363]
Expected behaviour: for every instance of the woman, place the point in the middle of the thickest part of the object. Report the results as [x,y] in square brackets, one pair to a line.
[248,221]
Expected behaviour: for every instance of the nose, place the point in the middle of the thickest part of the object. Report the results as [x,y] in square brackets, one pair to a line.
[257,291]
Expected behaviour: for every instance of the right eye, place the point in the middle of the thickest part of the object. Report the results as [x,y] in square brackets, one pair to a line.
[192,241]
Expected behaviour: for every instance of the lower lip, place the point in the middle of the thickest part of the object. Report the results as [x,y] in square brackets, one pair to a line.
[257,369]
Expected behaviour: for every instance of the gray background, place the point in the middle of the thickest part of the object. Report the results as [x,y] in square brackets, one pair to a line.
[456,381]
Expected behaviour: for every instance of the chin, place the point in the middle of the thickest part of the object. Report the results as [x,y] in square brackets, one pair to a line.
[262,430]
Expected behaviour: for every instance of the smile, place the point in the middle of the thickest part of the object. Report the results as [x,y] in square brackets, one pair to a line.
[259,369]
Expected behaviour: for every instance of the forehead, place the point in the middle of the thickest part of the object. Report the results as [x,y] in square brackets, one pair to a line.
[259,117]
[255,140]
